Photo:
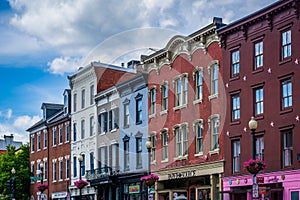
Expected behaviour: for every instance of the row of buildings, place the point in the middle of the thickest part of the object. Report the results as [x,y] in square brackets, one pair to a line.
[193,100]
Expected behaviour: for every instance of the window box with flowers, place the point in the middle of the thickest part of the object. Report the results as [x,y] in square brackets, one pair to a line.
[80,184]
[254,166]
[149,179]
[42,187]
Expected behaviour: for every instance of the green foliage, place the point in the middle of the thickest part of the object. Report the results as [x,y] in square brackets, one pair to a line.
[19,160]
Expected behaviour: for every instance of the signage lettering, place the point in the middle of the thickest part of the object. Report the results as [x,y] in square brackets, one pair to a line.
[185,174]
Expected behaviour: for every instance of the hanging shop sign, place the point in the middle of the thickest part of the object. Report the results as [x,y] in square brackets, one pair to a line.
[134,189]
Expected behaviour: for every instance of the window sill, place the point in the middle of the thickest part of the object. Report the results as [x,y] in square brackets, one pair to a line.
[139,122]
[258,70]
[181,158]
[165,161]
[60,143]
[213,96]
[197,101]
[152,116]
[287,110]
[215,151]
[38,150]
[54,146]
[199,154]
[234,78]
[285,60]
[45,148]
[259,117]
[113,130]
[180,107]
[103,133]
[236,122]
[67,142]
[126,126]
[164,112]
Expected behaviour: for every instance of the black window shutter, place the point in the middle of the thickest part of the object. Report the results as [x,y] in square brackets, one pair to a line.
[110,120]
[105,122]
[116,118]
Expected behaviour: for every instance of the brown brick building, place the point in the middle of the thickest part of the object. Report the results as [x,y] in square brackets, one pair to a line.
[262,77]
[50,150]
[186,116]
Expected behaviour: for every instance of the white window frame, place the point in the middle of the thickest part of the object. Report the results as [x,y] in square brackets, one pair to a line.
[164,143]
[258,54]
[152,94]
[181,84]
[181,141]
[236,156]
[214,124]
[199,130]
[286,44]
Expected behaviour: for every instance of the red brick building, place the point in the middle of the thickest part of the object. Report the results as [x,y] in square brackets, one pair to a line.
[50,151]
[262,77]
[186,115]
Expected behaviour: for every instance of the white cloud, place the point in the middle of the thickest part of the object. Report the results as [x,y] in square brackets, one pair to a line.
[71,28]
[24,122]
[18,128]
[9,113]
[64,65]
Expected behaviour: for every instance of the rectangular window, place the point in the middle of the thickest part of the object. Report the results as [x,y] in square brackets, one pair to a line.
[39,142]
[214,79]
[45,170]
[54,171]
[75,166]
[198,85]
[115,156]
[126,115]
[83,165]
[103,159]
[164,145]
[259,101]
[92,163]
[114,119]
[181,141]
[199,137]
[92,90]
[83,98]
[235,63]
[32,143]
[287,153]
[67,169]
[258,55]
[139,109]
[60,135]
[178,142]
[92,122]
[286,42]
[236,163]
[152,101]
[181,89]
[82,129]
[235,107]
[45,139]
[214,126]
[54,136]
[102,119]
[153,149]
[126,155]
[259,148]
[287,93]
[74,102]
[67,132]
[60,169]
[294,195]
[74,132]
[138,153]
[164,91]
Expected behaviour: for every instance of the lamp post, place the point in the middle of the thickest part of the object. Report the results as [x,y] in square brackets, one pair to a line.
[80,159]
[42,172]
[13,171]
[253,126]
[149,146]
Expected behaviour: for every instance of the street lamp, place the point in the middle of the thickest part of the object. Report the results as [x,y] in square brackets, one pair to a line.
[13,171]
[253,126]
[42,172]
[149,146]
[80,159]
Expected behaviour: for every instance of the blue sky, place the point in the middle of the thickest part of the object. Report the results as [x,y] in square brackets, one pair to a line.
[44,41]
